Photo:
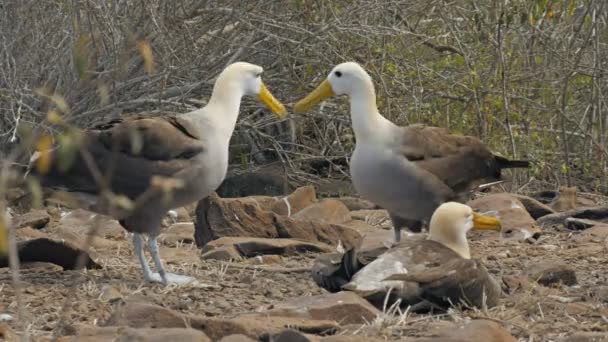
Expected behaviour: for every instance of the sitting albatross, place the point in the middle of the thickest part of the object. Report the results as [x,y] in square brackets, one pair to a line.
[140,157]
[436,270]
[411,170]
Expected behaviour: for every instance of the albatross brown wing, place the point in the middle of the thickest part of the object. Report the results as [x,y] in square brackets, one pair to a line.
[461,162]
[130,151]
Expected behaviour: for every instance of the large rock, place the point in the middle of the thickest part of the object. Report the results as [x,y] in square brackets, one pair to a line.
[535,208]
[565,199]
[356,203]
[142,315]
[249,247]
[549,273]
[100,334]
[516,221]
[344,307]
[476,330]
[268,181]
[217,217]
[35,218]
[178,234]
[586,336]
[296,201]
[326,211]
[590,213]
[46,250]
[81,222]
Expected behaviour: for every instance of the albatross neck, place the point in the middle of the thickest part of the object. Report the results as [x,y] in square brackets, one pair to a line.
[369,125]
[223,107]
[458,244]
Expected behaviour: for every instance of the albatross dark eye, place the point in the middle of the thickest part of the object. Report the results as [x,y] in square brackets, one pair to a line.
[338,74]
[259,74]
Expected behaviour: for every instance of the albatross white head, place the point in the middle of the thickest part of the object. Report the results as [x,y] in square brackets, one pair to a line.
[350,79]
[450,223]
[242,79]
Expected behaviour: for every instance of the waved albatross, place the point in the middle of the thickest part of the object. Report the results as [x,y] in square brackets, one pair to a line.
[436,270]
[410,170]
[141,157]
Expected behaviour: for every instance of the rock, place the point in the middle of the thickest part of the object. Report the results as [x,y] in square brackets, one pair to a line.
[69,234]
[565,199]
[258,326]
[288,336]
[356,203]
[109,293]
[326,211]
[476,330]
[270,259]
[549,273]
[373,217]
[28,233]
[298,200]
[224,253]
[580,224]
[35,218]
[137,335]
[81,222]
[142,315]
[600,293]
[590,213]
[344,307]
[268,181]
[377,239]
[512,284]
[516,222]
[216,217]
[535,208]
[586,336]
[249,247]
[46,250]
[178,234]
[182,215]
[7,334]
[237,338]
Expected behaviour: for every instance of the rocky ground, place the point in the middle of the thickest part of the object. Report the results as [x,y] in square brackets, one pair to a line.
[551,261]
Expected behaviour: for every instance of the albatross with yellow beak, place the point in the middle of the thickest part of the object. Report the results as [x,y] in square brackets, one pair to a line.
[411,170]
[437,269]
[160,163]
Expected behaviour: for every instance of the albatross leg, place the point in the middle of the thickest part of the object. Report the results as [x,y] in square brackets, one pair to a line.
[414,226]
[162,276]
[138,244]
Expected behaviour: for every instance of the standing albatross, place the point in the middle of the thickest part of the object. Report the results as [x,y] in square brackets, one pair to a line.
[159,163]
[410,170]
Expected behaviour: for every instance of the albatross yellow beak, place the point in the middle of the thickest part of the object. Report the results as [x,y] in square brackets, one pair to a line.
[271,102]
[481,222]
[322,92]
[3,236]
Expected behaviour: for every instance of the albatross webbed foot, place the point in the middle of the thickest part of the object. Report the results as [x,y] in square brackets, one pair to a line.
[162,276]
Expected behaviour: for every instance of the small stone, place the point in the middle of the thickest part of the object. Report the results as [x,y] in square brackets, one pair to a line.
[550,273]
[36,218]
[109,293]
[515,283]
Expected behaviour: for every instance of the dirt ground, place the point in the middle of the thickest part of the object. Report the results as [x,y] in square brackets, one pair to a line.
[531,313]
